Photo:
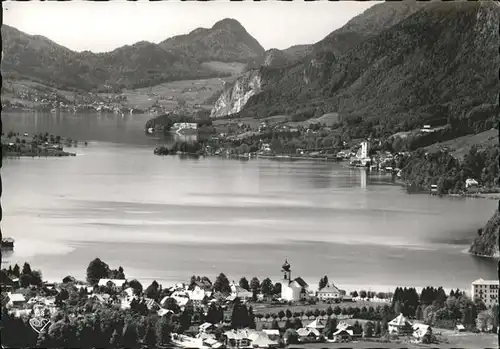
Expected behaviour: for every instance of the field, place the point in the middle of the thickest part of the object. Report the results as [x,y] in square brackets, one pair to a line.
[461,145]
[464,340]
[191,92]
[233,68]
[263,309]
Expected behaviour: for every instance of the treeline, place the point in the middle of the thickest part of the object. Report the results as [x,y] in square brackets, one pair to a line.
[26,276]
[378,313]
[449,173]
[193,147]
[436,308]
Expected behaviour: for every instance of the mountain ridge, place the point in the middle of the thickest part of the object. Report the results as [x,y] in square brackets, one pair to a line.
[394,65]
[143,63]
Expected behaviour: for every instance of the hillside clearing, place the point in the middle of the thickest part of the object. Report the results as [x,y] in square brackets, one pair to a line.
[233,68]
[461,145]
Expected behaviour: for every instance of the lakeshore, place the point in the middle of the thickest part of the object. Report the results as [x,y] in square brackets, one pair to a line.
[37,145]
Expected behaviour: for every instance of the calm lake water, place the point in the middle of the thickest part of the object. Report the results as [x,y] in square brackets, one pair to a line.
[165,218]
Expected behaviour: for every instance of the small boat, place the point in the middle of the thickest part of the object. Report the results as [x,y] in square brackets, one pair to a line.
[8,243]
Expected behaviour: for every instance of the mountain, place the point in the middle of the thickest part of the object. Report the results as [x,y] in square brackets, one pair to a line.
[226,41]
[486,243]
[39,59]
[440,54]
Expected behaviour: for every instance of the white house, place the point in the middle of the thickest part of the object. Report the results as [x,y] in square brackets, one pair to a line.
[15,299]
[330,292]
[181,297]
[308,335]
[292,290]
[186,125]
[317,324]
[400,325]
[206,327]
[240,292]
[117,283]
[471,183]
[419,330]
[198,295]
[486,290]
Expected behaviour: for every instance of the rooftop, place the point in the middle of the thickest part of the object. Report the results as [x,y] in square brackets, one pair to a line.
[481,281]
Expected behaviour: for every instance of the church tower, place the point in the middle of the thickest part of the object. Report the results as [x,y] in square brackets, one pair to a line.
[287,273]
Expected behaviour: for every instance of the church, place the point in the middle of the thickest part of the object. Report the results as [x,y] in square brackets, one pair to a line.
[292,290]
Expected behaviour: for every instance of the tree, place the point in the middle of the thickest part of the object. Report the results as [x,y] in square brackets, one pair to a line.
[163,330]
[329,311]
[337,310]
[362,294]
[36,278]
[277,289]
[275,325]
[153,290]
[368,329]
[239,316]
[25,280]
[97,270]
[330,327]
[485,320]
[288,313]
[297,323]
[26,269]
[213,314]
[354,294]
[15,271]
[221,284]
[291,337]
[136,286]
[171,304]
[130,337]
[267,287]
[244,284]
[186,316]
[323,282]
[115,341]
[255,285]
[378,329]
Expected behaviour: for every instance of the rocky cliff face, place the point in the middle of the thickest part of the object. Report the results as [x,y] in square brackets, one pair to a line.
[486,242]
[235,96]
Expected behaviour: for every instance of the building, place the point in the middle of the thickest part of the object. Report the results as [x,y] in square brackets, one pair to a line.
[486,290]
[199,295]
[292,290]
[329,293]
[114,283]
[308,335]
[471,183]
[240,292]
[365,150]
[188,125]
[400,326]
[420,330]
[317,324]
[15,299]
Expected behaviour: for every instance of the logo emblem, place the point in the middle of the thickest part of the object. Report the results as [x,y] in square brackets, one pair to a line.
[38,324]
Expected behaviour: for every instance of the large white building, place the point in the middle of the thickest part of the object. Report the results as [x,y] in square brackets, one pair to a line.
[292,290]
[486,290]
[330,292]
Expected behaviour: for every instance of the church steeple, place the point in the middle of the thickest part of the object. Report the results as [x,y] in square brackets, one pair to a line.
[286,270]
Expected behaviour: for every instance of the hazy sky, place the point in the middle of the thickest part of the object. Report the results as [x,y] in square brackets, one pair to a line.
[104,26]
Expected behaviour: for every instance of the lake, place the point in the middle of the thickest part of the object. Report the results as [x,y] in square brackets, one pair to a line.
[167,218]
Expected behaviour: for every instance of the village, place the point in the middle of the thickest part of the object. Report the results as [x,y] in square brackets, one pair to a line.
[241,315]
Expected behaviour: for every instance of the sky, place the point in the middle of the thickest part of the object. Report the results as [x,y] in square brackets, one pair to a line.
[104,26]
